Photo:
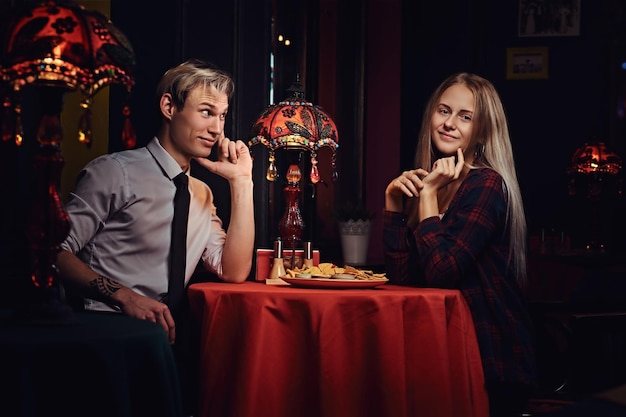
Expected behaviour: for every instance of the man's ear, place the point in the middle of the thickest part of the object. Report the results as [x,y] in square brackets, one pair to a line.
[167,106]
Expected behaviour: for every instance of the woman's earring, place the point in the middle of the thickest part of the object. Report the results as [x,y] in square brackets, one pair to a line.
[480,151]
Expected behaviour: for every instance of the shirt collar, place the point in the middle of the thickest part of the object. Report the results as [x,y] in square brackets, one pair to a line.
[168,164]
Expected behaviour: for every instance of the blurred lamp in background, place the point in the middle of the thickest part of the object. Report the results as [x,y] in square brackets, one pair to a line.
[595,183]
[56,47]
[595,171]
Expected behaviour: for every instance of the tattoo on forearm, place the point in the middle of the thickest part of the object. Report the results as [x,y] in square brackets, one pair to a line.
[103,286]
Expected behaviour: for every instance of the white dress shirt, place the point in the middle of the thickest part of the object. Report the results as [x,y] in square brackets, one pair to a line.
[121,213]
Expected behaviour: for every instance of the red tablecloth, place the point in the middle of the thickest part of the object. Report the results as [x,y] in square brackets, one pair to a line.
[388,351]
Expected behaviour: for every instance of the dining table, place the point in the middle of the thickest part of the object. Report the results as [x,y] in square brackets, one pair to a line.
[283,350]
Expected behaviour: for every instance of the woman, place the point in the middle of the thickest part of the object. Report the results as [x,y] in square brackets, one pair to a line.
[457,221]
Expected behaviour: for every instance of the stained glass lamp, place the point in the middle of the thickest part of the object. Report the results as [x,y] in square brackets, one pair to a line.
[295,124]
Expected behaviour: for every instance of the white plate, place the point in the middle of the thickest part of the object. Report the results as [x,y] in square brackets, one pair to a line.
[333,282]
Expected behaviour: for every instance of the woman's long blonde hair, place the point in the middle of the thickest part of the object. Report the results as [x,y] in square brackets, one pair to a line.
[491,137]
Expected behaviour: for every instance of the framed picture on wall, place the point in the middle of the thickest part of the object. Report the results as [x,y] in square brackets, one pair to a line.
[549,18]
[526,63]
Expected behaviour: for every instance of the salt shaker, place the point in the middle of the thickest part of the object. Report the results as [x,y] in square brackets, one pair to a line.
[278,266]
[308,255]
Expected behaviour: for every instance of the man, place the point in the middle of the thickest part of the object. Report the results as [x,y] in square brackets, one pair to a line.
[121,210]
[116,255]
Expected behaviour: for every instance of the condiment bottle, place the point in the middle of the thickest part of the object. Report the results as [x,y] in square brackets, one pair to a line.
[308,255]
[278,267]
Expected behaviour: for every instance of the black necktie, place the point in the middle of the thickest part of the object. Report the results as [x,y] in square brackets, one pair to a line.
[178,249]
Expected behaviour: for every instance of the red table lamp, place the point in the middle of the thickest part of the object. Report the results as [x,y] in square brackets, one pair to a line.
[295,124]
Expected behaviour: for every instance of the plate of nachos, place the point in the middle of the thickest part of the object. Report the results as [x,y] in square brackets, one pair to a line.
[328,275]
